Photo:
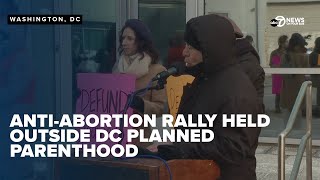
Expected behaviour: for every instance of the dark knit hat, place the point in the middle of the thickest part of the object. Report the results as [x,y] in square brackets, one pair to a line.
[140,28]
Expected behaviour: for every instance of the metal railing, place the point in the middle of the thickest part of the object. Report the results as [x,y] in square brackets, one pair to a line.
[306,141]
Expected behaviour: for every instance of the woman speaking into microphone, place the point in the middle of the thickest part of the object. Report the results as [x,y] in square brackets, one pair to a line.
[220,87]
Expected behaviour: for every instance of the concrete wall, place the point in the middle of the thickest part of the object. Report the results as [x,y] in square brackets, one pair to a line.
[243,12]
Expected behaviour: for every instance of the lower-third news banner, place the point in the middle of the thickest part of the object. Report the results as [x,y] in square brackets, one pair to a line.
[42,135]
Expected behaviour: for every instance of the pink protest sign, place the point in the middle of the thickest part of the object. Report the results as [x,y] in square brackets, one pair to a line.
[104,94]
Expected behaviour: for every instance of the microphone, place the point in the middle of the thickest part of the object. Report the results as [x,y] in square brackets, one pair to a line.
[175,69]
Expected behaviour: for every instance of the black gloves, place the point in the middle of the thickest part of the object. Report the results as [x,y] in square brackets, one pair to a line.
[137,104]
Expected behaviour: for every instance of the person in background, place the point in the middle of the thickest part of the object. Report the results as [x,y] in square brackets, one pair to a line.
[295,57]
[139,58]
[249,61]
[106,56]
[275,61]
[314,60]
[175,50]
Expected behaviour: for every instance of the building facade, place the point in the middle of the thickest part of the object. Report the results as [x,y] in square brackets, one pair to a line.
[103,20]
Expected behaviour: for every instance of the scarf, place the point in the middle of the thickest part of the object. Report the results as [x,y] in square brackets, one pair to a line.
[134,64]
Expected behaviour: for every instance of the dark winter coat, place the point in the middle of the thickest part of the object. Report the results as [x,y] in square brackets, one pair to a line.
[249,61]
[222,87]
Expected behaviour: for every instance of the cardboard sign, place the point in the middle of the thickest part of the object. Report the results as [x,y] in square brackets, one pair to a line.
[104,94]
[175,90]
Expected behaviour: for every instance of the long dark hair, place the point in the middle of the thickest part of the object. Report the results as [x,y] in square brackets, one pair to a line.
[281,40]
[143,40]
[296,40]
[317,46]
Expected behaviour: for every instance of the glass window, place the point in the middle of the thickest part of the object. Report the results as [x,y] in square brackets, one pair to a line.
[94,41]
[167,20]
[282,90]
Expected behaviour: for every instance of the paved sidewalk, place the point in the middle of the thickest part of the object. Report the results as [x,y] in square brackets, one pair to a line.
[267,162]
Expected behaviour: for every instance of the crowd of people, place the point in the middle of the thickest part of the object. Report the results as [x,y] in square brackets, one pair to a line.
[292,53]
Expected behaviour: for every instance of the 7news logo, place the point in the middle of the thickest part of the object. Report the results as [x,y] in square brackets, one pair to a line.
[280,21]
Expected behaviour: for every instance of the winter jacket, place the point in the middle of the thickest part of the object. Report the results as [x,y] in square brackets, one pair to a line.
[249,61]
[222,87]
[292,82]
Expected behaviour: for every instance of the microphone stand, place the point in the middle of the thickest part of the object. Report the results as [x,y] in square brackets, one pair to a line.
[160,85]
